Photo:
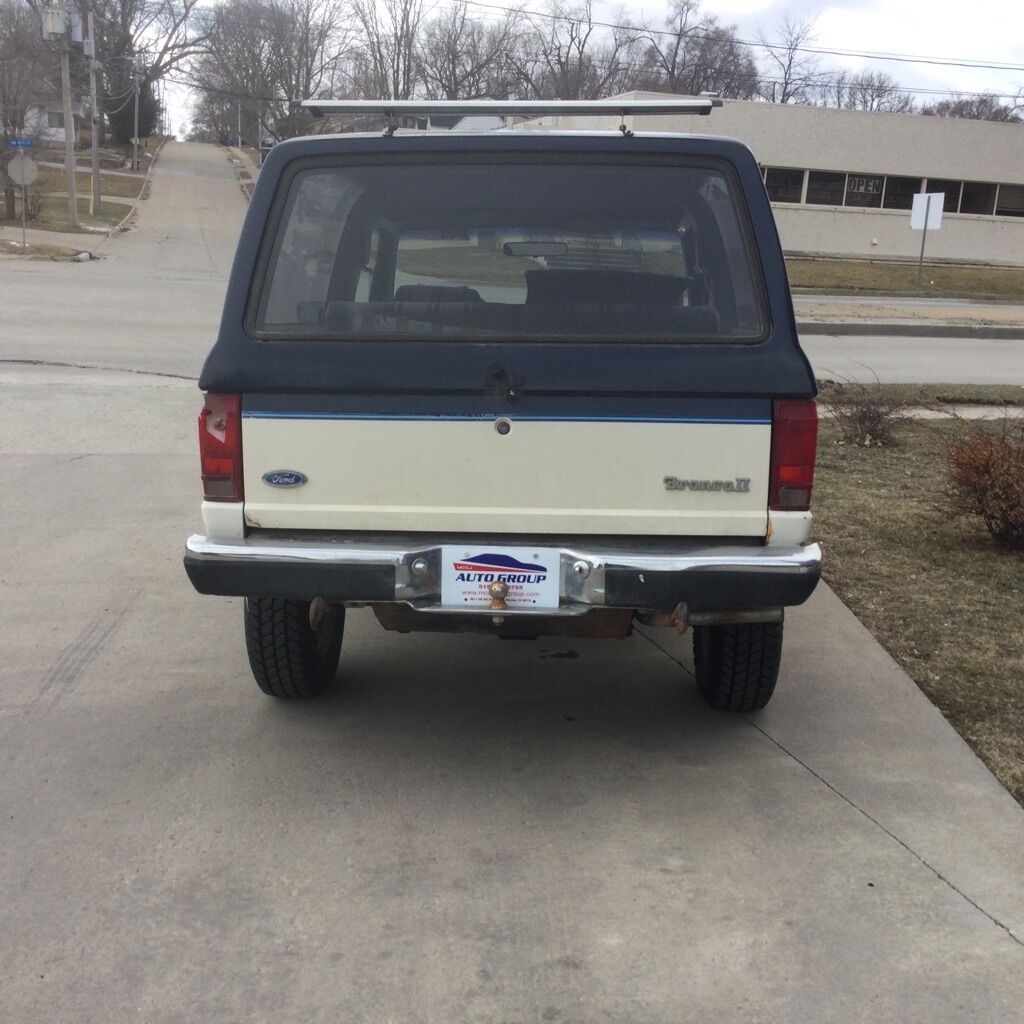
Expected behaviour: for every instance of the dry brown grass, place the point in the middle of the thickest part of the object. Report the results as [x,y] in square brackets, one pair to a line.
[935,589]
[986,476]
[936,395]
[888,276]
[864,414]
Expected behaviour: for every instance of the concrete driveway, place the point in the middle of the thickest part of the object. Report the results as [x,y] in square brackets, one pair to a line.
[467,830]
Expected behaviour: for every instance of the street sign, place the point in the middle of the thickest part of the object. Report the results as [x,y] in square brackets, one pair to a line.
[22,170]
[927,211]
[20,143]
[926,214]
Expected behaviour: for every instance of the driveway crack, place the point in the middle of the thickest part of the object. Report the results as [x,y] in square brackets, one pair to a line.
[860,810]
[94,366]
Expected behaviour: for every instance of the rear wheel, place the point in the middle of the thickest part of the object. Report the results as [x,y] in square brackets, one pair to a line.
[293,646]
[737,665]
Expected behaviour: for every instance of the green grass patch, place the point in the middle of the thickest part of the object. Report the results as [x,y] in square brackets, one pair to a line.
[945,602]
[888,277]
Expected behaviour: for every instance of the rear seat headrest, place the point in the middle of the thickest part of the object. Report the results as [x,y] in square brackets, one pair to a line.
[436,293]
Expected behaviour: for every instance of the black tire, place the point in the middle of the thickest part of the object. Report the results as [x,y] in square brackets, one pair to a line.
[293,646]
[737,666]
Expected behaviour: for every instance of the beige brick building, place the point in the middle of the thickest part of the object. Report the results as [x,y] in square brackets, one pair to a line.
[842,182]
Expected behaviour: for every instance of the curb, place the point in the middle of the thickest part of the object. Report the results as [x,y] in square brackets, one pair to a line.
[240,162]
[902,330]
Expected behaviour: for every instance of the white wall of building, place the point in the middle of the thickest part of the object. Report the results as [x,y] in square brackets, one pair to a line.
[857,142]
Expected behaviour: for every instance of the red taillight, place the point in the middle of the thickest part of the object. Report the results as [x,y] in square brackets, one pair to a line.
[794,445]
[220,447]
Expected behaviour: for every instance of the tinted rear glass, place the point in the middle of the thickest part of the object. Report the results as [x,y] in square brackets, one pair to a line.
[511,250]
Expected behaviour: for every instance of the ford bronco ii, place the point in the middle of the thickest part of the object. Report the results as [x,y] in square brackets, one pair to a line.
[520,382]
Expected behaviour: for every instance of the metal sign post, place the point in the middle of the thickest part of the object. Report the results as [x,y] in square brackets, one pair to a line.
[22,171]
[926,213]
[24,201]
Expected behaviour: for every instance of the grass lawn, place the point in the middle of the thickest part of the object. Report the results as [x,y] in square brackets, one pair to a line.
[13,248]
[53,215]
[930,394]
[936,592]
[117,185]
[467,263]
[838,276]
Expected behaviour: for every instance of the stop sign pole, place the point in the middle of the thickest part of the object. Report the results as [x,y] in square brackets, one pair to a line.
[21,173]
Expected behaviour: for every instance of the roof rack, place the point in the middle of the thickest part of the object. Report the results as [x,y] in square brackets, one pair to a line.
[526,108]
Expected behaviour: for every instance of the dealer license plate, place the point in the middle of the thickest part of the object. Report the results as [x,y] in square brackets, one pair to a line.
[532,576]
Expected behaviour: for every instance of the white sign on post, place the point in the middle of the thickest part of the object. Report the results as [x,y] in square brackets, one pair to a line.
[926,214]
[927,211]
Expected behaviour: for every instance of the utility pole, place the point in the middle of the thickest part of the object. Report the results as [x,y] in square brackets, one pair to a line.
[135,136]
[96,118]
[238,137]
[69,133]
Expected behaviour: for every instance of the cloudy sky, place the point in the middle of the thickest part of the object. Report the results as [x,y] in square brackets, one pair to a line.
[984,30]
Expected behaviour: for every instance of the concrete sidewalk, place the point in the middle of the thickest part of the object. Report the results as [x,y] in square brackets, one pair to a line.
[907,317]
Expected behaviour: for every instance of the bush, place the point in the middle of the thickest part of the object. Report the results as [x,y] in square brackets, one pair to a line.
[865,415]
[986,476]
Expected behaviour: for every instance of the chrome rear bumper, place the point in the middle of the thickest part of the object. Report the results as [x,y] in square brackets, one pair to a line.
[595,572]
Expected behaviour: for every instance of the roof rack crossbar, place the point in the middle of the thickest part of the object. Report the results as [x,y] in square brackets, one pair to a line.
[524,108]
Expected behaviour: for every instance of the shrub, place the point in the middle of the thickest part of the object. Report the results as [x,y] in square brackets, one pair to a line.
[986,476]
[865,414]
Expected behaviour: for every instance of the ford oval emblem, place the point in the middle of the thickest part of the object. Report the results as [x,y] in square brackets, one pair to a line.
[284,478]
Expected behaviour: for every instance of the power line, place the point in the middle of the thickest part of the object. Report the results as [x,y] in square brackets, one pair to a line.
[816,81]
[760,44]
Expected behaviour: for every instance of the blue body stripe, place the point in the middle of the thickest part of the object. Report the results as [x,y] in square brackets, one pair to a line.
[257,414]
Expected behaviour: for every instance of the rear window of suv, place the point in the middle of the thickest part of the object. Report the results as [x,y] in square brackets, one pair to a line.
[488,249]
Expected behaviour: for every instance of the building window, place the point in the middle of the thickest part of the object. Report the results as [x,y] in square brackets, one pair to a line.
[979,197]
[1011,201]
[825,188]
[784,185]
[54,119]
[900,192]
[864,190]
[950,188]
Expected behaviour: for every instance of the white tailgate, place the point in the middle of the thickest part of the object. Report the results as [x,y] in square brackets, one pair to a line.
[544,476]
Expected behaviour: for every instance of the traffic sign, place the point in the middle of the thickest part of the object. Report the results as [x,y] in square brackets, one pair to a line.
[22,170]
[20,143]
[926,213]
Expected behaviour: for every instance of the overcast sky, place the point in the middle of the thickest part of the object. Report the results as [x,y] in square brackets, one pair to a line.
[987,30]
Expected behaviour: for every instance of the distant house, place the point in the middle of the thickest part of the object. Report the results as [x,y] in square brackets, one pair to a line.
[44,117]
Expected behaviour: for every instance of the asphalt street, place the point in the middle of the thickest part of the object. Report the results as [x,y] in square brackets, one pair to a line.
[467,830]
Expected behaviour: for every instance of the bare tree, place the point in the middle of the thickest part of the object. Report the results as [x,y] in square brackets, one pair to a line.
[166,33]
[695,54]
[866,90]
[567,56]
[983,107]
[791,75]
[390,31]
[462,58]
[259,58]
[22,57]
